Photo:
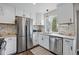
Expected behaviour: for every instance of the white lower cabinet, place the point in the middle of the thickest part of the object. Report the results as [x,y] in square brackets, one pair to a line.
[11,45]
[67,47]
[44,41]
[35,38]
[41,40]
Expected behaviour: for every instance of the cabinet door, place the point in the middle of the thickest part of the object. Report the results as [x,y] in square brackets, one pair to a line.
[46,42]
[35,39]
[39,19]
[27,13]
[33,16]
[41,40]
[8,14]
[65,13]
[8,46]
[67,47]
[11,45]
[19,12]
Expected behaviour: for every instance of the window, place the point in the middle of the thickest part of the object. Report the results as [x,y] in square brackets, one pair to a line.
[53,23]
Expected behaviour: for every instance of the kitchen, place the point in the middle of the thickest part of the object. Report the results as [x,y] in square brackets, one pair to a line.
[39,29]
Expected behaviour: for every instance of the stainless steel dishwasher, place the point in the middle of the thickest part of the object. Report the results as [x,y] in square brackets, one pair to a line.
[56,45]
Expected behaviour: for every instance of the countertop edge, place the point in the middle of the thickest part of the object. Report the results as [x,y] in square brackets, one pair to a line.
[58,35]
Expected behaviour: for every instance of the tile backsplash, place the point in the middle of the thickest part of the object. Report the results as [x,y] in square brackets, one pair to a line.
[38,27]
[66,29]
[7,29]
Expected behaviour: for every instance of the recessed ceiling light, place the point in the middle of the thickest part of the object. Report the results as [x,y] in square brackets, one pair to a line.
[34,3]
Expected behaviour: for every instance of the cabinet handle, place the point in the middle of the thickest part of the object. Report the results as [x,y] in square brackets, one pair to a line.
[70,20]
[42,38]
[67,41]
[71,47]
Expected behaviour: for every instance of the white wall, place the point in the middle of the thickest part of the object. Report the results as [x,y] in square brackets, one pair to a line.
[76,8]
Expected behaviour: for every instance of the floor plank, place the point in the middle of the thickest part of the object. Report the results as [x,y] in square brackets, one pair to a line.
[25,53]
[38,50]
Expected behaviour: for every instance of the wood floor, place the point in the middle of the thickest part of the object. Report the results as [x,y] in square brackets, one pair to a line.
[25,53]
[32,51]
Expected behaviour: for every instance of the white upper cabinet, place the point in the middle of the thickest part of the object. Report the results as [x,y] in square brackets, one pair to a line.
[7,14]
[27,13]
[39,19]
[65,13]
[33,16]
[46,42]
[19,11]
[23,12]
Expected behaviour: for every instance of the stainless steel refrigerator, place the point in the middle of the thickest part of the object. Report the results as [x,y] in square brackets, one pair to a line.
[24,33]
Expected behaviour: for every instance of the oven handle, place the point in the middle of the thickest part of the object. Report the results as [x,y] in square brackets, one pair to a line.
[4,45]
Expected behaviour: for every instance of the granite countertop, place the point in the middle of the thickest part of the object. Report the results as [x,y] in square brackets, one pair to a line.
[8,36]
[58,35]
[1,37]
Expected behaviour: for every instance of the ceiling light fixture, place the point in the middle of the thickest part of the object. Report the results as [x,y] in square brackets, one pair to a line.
[34,3]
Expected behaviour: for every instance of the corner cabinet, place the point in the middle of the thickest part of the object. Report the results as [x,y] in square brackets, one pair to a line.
[67,46]
[65,13]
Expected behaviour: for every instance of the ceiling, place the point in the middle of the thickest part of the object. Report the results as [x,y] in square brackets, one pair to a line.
[38,7]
